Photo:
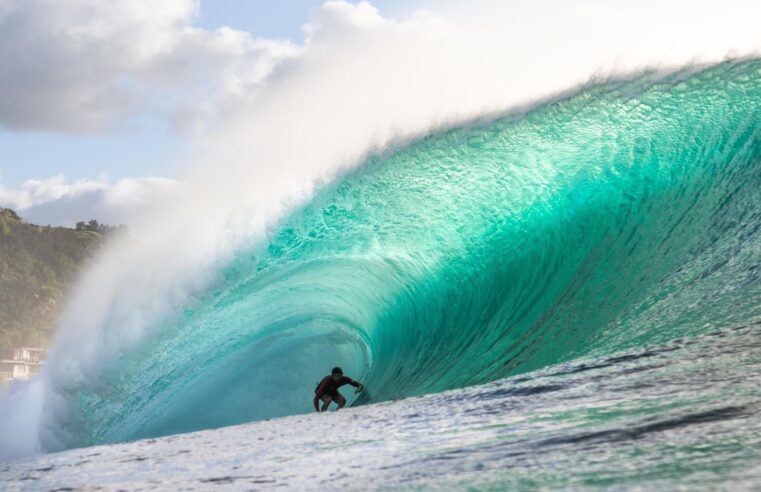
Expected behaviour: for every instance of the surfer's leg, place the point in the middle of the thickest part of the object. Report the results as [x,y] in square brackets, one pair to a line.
[326,399]
[340,400]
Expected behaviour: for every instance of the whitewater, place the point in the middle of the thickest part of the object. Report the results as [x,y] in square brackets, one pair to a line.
[546,274]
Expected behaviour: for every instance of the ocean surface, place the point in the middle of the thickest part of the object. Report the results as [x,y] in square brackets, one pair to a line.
[564,297]
[683,415]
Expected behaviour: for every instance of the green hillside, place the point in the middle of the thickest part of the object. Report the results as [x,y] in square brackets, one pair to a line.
[37,267]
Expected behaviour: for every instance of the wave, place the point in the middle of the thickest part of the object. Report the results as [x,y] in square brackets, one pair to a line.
[625,215]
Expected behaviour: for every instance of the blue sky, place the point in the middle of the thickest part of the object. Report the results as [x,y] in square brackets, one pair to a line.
[147,147]
[148,150]
[277,18]
[262,18]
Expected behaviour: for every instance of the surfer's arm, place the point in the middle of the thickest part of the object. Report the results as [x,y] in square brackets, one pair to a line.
[354,383]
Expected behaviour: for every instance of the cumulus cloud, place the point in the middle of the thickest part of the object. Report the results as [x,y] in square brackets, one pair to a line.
[56,201]
[86,65]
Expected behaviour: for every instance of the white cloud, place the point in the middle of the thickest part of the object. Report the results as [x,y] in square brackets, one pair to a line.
[56,201]
[87,65]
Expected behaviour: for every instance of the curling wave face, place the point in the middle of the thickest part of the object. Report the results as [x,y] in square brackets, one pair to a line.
[625,215]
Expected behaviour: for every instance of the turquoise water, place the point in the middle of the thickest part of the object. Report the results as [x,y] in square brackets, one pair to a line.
[684,415]
[624,216]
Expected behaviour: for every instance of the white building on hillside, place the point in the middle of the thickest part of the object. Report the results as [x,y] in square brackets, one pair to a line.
[20,363]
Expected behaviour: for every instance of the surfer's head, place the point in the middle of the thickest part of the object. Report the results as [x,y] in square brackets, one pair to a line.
[337,372]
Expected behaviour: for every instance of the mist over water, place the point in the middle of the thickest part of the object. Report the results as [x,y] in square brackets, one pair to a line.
[420,230]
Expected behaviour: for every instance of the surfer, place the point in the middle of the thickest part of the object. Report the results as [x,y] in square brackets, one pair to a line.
[327,389]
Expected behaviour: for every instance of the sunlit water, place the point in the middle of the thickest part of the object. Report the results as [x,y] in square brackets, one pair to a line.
[683,415]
